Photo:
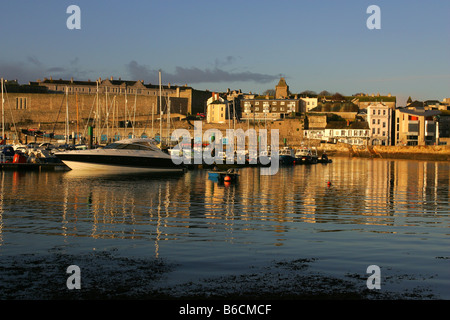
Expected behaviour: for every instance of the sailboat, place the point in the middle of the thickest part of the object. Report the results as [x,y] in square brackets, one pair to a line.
[3,140]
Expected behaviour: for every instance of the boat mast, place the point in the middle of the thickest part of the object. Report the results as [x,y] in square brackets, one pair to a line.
[107,114]
[160,110]
[3,115]
[78,127]
[67,115]
[125,112]
[97,126]
[134,111]
[168,120]
[153,116]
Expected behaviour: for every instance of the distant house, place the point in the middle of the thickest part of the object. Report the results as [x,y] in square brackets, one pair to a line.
[217,109]
[308,103]
[379,118]
[268,108]
[353,133]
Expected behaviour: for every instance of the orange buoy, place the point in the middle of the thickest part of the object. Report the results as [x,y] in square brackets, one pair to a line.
[329,183]
[227,178]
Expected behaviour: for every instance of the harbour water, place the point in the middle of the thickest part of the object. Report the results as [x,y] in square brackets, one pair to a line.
[185,234]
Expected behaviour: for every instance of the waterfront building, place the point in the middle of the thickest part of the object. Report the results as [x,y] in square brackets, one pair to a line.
[345,131]
[315,127]
[353,133]
[415,125]
[379,118]
[217,109]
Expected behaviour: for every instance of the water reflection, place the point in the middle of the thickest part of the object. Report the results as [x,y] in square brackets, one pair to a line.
[190,206]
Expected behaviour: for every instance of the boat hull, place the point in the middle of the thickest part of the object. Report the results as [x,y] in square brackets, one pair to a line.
[284,159]
[116,163]
[222,176]
[111,168]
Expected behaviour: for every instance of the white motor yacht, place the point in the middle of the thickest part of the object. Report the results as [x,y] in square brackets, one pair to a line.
[124,156]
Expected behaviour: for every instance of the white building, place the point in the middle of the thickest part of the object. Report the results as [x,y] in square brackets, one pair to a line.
[355,133]
[379,118]
[217,109]
[308,103]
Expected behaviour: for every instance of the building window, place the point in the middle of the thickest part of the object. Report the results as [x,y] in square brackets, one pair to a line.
[373,121]
[21,103]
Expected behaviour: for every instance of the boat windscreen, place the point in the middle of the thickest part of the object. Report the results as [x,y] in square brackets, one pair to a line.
[115,146]
[131,146]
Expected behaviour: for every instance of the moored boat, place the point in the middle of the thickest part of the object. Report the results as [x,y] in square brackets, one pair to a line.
[231,175]
[306,155]
[124,156]
[324,158]
[286,155]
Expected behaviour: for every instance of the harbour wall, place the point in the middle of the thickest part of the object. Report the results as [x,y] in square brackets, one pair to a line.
[431,153]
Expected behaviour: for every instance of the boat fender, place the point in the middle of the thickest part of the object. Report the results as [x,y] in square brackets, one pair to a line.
[227,178]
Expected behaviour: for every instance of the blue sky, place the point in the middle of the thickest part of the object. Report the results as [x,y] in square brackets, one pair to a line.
[215,45]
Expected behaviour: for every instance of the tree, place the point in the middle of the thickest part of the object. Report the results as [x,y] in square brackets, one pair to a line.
[409,100]
[269,92]
[308,93]
[338,97]
[324,93]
